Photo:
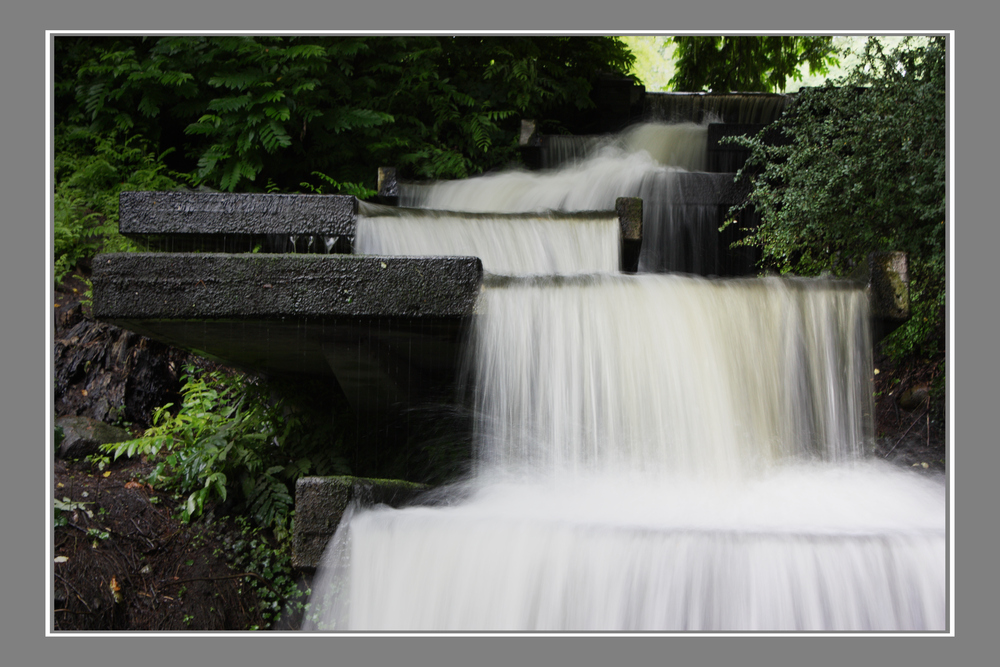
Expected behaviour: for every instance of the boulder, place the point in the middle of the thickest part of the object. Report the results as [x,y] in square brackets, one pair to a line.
[82,436]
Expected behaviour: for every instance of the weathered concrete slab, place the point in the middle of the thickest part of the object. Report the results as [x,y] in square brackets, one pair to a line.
[389,329]
[235,213]
[320,503]
[247,286]
[238,222]
[629,210]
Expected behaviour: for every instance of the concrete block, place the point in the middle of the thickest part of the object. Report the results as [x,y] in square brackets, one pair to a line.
[320,503]
[220,213]
[888,291]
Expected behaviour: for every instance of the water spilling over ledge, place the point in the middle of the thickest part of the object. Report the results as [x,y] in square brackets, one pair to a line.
[669,374]
[657,453]
[652,452]
[805,548]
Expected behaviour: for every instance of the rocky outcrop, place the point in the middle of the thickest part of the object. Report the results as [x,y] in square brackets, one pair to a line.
[110,374]
[83,436]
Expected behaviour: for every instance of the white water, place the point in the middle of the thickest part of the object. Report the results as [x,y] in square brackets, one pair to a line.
[679,145]
[802,548]
[657,162]
[548,243]
[670,374]
[658,453]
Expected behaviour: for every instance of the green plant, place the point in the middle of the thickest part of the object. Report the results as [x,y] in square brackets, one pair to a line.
[256,112]
[98,459]
[98,534]
[253,552]
[748,63]
[66,505]
[862,168]
[356,189]
[90,173]
[228,436]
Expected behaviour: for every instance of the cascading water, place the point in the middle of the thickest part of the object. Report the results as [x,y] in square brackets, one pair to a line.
[679,145]
[653,453]
[754,108]
[658,162]
[547,243]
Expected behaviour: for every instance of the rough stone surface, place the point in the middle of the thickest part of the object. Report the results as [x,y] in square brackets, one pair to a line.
[131,286]
[629,210]
[388,328]
[82,436]
[109,374]
[387,184]
[888,290]
[320,502]
[889,284]
[143,213]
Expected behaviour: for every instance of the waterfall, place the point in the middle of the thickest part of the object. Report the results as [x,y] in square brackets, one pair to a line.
[544,243]
[652,452]
[756,108]
[668,374]
[659,162]
[680,145]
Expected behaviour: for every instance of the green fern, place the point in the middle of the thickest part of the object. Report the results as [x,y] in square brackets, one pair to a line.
[228,436]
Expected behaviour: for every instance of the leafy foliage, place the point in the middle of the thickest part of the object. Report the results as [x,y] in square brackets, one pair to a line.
[229,437]
[90,173]
[252,552]
[863,169]
[748,64]
[242,110]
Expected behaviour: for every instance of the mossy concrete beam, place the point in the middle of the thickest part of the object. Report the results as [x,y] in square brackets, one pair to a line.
[320,504]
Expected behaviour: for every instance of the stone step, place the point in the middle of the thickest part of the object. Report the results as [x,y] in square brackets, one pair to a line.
[387,328]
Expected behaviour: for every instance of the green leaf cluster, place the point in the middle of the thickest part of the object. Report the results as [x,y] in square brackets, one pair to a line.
[860,168]
[253,552]
[90,172]
[748,63]
[230,437]
[242,111]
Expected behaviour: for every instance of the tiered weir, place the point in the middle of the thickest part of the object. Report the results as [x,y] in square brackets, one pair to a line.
[662,453]
[653,452]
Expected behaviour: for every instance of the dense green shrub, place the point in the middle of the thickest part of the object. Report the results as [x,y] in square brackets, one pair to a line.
[293,114]
[862,168]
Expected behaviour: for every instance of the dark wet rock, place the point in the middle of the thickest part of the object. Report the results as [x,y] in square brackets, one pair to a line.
[83,436]
[914,397]
[110,374]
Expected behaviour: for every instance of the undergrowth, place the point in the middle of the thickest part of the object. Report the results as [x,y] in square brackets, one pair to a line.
[91,171]
[231,442]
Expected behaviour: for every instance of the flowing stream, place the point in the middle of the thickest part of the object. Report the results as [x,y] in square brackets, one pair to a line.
[653,452]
